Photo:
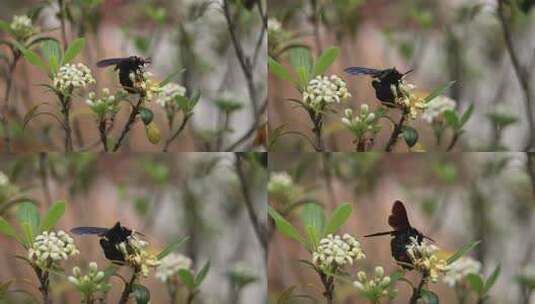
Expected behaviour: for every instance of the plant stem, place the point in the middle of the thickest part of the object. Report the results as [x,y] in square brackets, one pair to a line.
[128,288]
[317,121]
[103,134]
[395,134]
[129,123]
[65,102]
[5,109]
[44,281]
[259,229]
[417,292]
[177,132]
[328,284]
[522,75]
[191,296]
[62,21]
[454,140]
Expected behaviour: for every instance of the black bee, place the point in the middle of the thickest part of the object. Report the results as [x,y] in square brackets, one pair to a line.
[402,233]
[126,66]
[110,238]
[383,82]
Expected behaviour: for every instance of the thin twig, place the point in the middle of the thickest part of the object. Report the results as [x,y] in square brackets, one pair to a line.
[417,292]
[395,134]
[44,284]
[129,123]
[177,132]
[257,225]
[522,75]
[65,102]
[128,288]
[250,131]
[328,285]
[103,134]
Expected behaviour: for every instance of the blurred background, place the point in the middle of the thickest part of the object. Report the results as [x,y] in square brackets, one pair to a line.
[164,196]
[181,34]
[454,198]
[457,40]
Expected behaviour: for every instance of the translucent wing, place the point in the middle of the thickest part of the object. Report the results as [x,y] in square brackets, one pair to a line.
[89,230]
[110,61]
[363,71]
[398,219]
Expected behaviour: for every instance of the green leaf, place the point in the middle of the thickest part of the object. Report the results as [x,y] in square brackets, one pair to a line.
[452,118]
[285,227]
[313,217]
[280,71]
[171,247]
[475,282]
[187,278]
[428,297]
[462,251]
[4,26]
[52,53]
[171,77]
[301,61]
[72,51]
[201,275]
[325,60]
[438,91]
[28,217]
[31,57]
[7,229]
[466,115]
[338,217]
[141,294]
[491,280]
[52,216]
[146,115]
[410,135]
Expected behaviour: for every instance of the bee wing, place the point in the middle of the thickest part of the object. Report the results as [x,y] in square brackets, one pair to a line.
[89,230]
[363,71]
[110,61]
[399,219]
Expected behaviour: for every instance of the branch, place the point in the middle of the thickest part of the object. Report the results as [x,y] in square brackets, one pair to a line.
[521,74]
[177,133]
[395,134]
[129,123]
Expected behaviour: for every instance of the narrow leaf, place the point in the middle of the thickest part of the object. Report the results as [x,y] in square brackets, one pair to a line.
[452,118]
[280,71]
[7,229]
[466,115]
[338,217]
[438,91]
[52,216]
[325,60]
[73,50]
[491,280]
[199,278]
[32,57]
[475,282]
[285,227]
[462,251]
[171,247]
[171,76]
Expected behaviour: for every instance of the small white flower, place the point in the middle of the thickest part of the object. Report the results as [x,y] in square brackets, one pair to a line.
[72,76]
[336,251]
[376,286]
[460,269]
[425,260]
[51,247]
[4,179]
[170,265]
[22,27]
[274,25]
[436,107]
[168,94]
[322,91]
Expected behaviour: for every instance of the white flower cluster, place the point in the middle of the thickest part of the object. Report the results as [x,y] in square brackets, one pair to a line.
[274,26]
[460,269]
[335,251]
[72,76]
[144,84]
[137,255]
[170,265]
[281,187]
[107,103]
[169,93]
[436,107]
[89,283]
[22,27]
[324,90]
[408,99]
[375,287]
[51,247]
[424,258]
[363,122]
[4,179]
